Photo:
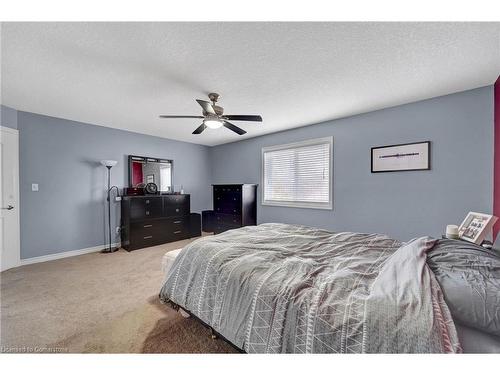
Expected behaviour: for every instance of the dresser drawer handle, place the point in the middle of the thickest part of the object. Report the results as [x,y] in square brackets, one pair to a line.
[177,232]
[177,222]
[147,237]
[148,225]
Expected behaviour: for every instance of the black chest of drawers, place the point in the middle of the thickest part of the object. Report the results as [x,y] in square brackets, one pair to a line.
[153,220]
[235,206]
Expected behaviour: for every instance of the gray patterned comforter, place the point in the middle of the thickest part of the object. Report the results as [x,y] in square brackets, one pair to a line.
[278,288]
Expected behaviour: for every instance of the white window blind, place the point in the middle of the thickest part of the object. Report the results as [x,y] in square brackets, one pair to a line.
[298,174]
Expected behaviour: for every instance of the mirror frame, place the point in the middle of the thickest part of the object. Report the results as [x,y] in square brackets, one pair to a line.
[132,158]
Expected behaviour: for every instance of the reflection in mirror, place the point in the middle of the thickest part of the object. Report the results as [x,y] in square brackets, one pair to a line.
[144,170]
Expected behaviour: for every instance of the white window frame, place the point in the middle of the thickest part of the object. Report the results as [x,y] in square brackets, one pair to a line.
[318,205]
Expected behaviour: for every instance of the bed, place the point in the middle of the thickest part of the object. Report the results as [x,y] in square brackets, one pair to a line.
[279,288]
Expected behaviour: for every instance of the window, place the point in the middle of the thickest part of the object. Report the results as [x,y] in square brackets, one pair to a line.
[165,178]
[298,174]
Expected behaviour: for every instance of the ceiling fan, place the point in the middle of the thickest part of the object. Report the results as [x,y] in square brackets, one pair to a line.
[213,116]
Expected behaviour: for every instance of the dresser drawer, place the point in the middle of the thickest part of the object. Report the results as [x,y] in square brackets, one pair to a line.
[227,189]
[148,228]
[227,203]
[228,209]
[233,198]
[225,219]
[179,234]
[145,208]
[176,205]
[177,228]
[177,222]
[146,239]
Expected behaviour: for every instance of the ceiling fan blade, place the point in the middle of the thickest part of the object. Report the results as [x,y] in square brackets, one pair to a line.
[199,129]
[179,116]
[207,106]
[168,116]
[234,128]
[243,117]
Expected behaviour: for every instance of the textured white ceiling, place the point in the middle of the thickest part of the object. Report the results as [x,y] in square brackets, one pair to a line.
[123,75]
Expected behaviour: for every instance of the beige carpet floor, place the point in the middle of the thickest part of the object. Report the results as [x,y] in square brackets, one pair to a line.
[98,303]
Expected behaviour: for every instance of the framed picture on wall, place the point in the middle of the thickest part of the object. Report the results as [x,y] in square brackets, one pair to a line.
[475,227]
[402,157]
[150,179]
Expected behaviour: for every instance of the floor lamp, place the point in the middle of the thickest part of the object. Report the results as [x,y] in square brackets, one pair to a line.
[109,164]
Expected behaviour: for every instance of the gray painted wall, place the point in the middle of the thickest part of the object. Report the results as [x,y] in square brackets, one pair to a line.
[63,157]
[402,204]
[68,212]
[8,117]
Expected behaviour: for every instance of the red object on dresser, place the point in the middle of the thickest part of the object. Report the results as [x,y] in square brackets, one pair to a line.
[496,157]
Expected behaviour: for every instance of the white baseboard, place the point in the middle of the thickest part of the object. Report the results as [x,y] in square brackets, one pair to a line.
[65,254]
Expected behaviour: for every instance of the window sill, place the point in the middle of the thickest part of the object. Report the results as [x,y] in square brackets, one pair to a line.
[318,206]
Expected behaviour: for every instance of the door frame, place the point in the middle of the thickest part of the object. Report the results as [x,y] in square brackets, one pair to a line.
[17,233]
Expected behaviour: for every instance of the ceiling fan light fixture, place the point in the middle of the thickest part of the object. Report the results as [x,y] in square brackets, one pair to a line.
[213,123]
[214,118]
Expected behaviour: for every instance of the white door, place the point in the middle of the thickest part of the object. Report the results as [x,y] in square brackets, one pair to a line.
[9,198]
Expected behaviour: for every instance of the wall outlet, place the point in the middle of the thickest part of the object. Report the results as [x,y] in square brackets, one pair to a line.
[118,230]
[118,199]
[34,187]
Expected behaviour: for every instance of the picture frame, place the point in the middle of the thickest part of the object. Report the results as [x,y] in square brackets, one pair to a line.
[401,157]
[475,227]
[150,178]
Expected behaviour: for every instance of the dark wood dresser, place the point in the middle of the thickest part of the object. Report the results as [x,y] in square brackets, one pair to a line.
[154,219]
[235,206]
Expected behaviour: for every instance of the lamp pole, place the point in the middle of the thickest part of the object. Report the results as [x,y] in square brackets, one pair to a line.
[109,164]
[109,208]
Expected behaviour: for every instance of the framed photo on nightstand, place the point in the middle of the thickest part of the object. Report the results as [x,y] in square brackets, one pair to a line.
[475,227]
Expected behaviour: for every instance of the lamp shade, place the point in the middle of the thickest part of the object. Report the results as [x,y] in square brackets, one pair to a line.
[109,163]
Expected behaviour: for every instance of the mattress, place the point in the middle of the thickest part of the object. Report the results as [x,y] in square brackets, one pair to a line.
[168,260]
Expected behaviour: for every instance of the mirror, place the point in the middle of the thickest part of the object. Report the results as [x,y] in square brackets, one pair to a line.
[143,170]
